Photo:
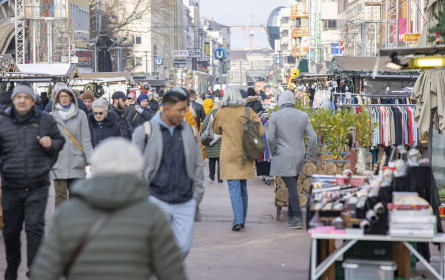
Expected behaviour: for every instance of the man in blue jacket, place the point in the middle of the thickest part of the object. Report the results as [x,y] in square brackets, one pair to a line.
[29,145]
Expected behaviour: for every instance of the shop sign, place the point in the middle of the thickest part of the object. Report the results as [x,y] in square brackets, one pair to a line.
[197,52]
[180,53]
[411,37]
[85,58]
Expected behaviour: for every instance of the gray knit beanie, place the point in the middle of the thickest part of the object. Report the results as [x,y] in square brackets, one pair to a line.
[24,89]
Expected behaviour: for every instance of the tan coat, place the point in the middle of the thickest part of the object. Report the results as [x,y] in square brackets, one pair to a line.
[227,122]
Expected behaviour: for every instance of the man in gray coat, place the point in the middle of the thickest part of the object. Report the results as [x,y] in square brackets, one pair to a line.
[286,132]
[173,166]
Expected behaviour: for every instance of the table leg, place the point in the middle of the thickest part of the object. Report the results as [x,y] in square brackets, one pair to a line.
[334,256]
[313,258]
[422,259]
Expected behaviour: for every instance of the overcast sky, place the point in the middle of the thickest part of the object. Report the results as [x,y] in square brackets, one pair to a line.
[237,12]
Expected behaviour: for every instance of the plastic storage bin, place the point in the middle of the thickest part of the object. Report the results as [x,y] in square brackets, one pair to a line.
[369,270]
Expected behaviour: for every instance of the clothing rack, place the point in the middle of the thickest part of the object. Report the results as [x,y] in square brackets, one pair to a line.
[378,105]
[376,96]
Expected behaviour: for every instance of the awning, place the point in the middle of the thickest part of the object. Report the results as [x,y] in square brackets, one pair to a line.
[51,69]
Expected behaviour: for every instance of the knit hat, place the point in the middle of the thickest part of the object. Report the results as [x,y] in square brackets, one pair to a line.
[87,95]
[116,155]
[23,89]
[142,97]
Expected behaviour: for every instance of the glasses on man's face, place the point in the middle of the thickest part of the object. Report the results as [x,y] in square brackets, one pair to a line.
[98,113]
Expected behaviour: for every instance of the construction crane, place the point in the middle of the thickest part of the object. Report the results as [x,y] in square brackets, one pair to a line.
[251,29]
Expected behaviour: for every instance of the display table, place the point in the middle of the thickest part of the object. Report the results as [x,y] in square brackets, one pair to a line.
[317,271]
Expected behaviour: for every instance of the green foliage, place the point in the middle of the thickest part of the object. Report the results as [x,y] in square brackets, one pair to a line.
[334,129]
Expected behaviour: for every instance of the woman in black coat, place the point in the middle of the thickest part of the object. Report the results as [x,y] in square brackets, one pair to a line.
[141,112]
[101,125]
[254,101]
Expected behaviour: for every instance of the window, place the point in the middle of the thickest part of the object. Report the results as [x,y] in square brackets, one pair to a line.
[285,20]
[285,33]
[329,24]
[138,40]
[297,22]
[138,61]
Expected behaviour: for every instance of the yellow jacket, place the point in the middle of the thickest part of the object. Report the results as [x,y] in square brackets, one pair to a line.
[191,121]
[208,105]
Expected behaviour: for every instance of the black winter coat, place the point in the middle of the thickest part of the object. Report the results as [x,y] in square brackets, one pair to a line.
[24,162]
[128,109]
[117,116]
[102,130]
[254,102]
[136,119]
[154,105]
[200,114]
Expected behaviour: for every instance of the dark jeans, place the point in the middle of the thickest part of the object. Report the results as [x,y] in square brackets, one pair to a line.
[212,167]
[294,201]
[22,205]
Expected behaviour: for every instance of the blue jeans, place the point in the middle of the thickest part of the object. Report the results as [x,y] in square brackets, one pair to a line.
[22,205]
[181,217]
[238,197]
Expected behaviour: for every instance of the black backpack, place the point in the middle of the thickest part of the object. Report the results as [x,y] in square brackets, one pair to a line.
[253,143]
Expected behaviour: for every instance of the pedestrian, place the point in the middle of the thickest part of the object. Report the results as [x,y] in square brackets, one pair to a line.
[153,103]
[101,124]
[262,95]
[44,99]
[227,122]
[76,153]
[254,101]
[131,102]
[6,99]
[49,106]
[173,166]
[208,104]
[134,242]
[212,151]
[117,113]
[30,145]
[196,109]
[88,98]
[141,112]
[287,129]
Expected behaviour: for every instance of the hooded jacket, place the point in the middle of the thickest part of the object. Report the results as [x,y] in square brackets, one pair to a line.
[24,162]
[135,242]
[71,163]
[254,102]
[154,106]
[208,105]
[100,131]
[285,135]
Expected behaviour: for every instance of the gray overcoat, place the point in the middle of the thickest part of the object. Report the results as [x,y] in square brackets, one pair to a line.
[71,162]
[285,135]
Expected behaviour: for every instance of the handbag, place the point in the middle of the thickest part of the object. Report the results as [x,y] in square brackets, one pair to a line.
[208,135]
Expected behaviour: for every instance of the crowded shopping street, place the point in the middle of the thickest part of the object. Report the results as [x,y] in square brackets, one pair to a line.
[199,139]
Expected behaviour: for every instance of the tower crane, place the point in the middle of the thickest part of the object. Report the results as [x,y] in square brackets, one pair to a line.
[251,29]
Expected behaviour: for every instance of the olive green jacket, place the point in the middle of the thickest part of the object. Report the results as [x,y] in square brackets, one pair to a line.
[135,243]
[214,150]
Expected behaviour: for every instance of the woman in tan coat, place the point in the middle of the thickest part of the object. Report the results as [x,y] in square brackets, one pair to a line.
[227,123]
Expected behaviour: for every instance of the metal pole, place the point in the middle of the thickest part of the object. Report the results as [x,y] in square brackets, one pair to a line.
[34,55]
[375,39]
[397,24]
[220,73]
[310,37]
[100,16]
[240,74]
[363,29]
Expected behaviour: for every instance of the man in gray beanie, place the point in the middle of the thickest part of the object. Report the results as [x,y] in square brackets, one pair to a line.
[30,146]
[133,242]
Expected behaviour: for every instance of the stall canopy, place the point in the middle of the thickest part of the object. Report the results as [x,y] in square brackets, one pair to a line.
[49,69]
[358,64]
[107,77]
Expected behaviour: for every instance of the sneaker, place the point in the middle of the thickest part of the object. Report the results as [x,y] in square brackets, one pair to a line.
[212,177]
[237,227]
[296,223]
[289,221]
[220,181]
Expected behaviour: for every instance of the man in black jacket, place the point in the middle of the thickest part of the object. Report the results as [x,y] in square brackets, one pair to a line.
[117,113]
[29,145]
[198,109]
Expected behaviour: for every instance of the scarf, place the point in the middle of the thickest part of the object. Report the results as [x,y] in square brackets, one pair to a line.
[23,118]
[66,113]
